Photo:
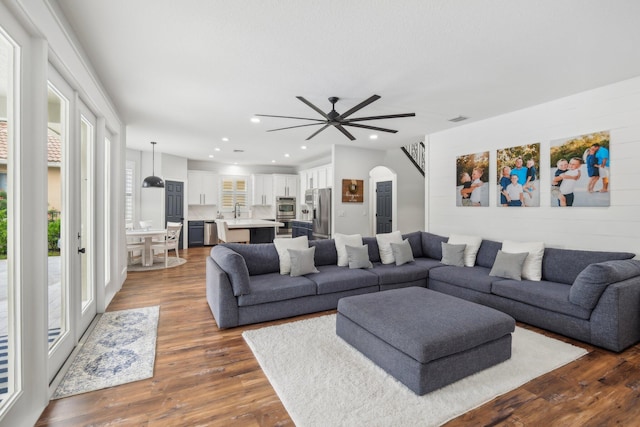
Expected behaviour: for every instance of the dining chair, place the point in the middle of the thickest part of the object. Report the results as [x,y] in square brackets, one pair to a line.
[170,242]
[134,245]
[238,235]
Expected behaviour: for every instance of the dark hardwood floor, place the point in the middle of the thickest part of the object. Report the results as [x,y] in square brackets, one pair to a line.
[208,377]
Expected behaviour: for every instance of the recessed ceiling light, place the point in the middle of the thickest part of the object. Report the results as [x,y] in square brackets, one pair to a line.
[255,120]
[217,149]
[211,156]
[374,136]
[225,139]
[304,147]
[273,161]
[286,154]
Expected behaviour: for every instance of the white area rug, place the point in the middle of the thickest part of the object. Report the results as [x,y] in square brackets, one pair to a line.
[323,381]
[120,349]
[158,264]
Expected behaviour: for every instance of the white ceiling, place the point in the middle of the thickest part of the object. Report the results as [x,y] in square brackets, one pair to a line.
[188,73]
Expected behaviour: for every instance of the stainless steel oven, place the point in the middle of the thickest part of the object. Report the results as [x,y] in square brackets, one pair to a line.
[285,213]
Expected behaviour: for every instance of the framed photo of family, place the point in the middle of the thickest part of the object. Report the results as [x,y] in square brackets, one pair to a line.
[579,170]
[518,177]
[472,180]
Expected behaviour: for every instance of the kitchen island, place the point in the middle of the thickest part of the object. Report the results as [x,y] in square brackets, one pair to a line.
[260,230]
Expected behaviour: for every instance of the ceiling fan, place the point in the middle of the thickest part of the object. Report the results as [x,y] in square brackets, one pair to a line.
[339,121]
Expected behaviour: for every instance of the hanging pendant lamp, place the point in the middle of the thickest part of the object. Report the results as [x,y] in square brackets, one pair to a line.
[153,181]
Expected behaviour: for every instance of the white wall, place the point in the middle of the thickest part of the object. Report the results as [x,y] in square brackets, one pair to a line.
[410,191]
[615,107]
[352,163]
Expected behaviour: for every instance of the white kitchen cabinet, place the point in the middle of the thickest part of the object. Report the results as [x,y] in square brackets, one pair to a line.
[262,190]
[319,177]
[286,185]
[203,188]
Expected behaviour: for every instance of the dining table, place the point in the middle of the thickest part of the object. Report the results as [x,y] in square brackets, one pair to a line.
[147,235]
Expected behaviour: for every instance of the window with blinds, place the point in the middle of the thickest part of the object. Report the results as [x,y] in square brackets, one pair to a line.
[234,189]
[129,173]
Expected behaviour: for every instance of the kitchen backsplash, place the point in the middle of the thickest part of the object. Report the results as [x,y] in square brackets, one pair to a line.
[197,212]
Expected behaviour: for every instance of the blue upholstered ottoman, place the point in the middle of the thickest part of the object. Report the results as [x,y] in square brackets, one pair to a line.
[424,338]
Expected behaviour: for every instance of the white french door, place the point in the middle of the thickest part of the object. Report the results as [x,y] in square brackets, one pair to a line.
[72,291]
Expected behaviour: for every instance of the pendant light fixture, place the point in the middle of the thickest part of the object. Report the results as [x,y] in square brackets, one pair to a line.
[153,181]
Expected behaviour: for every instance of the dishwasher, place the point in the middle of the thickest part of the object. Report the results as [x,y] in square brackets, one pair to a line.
[210,233]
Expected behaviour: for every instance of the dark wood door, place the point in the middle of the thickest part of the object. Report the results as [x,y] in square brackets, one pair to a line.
[384,208]
[174,204]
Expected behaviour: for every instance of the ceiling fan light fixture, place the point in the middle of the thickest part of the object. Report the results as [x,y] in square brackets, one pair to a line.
[153,181]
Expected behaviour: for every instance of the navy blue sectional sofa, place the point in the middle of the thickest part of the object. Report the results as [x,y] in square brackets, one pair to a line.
[587,295]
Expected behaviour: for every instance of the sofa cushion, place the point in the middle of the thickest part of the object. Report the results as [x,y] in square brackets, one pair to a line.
[453,254]
[508,266]
[261,258]
[550,296]
[473,245]
[391,274]
[532,268]
[358,256]
[384,245]
[302,261]
[415,240]
[487,253]
[276,287]
[337,279]
[325,251]
[343,240]
[564,265]
[427,263]
[431,247]
[476,278]
[283,245]
[402,252]
[374,252]
[234,265]
[593,280]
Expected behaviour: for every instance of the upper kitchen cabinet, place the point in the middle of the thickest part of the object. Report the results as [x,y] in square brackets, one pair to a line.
[203,188]
[262,190]
[286,185]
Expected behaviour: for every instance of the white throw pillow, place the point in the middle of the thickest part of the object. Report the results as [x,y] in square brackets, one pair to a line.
[471,250]
[384,245]
[342,241]
[532,267]
[283,244]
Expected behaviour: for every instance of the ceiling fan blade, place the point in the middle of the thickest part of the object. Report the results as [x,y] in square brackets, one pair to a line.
[289,117]
[345,132]
[317,132]
[319,111]
[359,106]
[298,126]
[356,125]
[391,116]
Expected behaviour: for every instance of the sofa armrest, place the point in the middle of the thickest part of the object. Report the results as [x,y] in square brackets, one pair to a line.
[615,321]
[222,302]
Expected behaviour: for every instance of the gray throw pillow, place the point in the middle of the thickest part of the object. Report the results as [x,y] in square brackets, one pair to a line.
[591,283]
[508,265]
[358,256]
[453,254]
[302,261]
[402,252]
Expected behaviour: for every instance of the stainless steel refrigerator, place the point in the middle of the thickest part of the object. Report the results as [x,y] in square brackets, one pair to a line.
[321,213]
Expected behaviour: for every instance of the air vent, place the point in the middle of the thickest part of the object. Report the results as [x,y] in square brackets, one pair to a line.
[458,119]
[238,151]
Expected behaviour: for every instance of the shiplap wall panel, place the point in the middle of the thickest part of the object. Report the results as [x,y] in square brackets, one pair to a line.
[615,108]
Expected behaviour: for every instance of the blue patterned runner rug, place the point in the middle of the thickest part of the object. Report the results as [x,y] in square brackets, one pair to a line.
[121,349]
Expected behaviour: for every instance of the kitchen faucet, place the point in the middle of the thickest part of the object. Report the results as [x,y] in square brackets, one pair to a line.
[236,210]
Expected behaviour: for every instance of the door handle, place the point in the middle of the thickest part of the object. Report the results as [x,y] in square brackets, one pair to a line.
[81,250]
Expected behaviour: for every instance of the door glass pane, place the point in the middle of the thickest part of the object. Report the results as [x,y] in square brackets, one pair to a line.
[86,144]
[57,137]
[8,337]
